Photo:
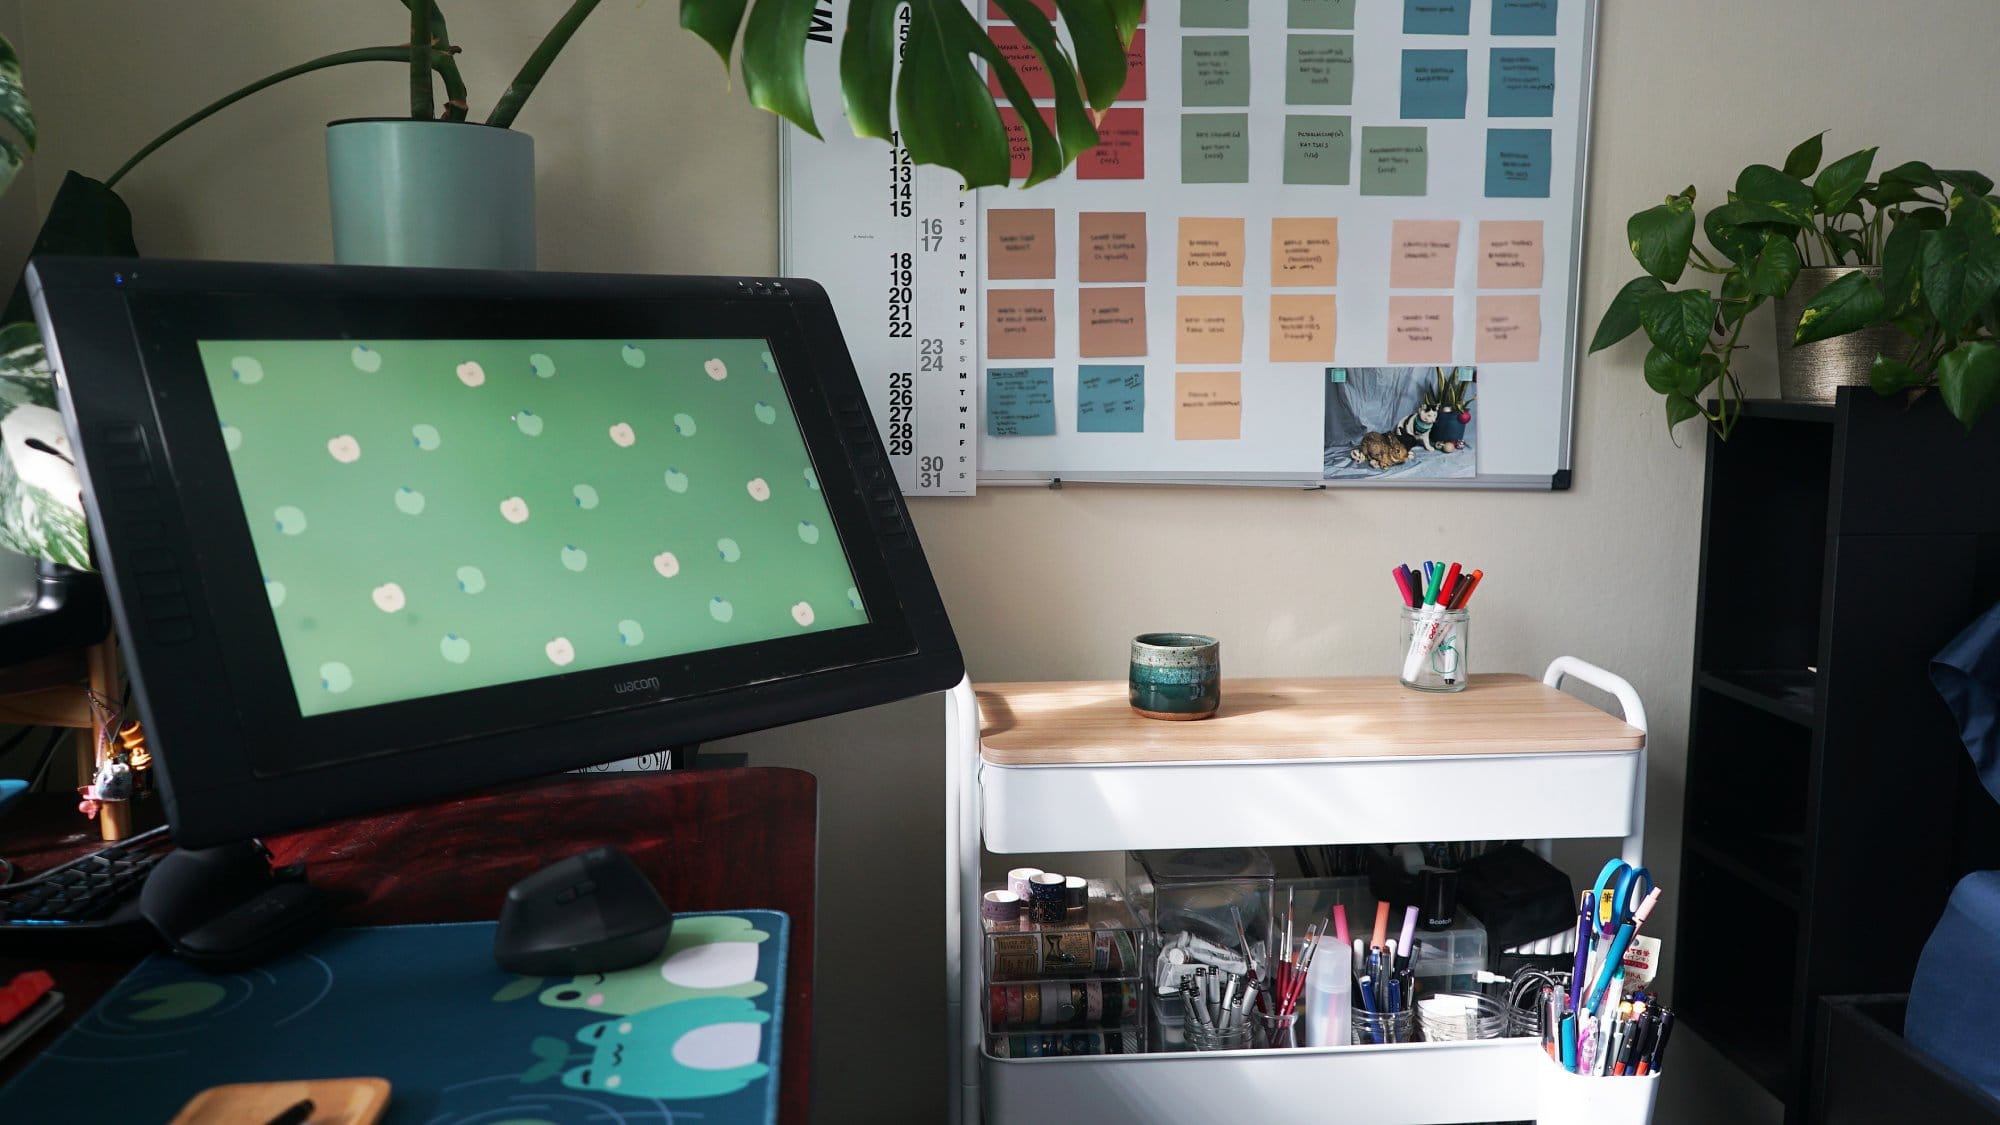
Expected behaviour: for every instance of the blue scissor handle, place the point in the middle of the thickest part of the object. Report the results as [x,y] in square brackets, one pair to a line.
[1620,889]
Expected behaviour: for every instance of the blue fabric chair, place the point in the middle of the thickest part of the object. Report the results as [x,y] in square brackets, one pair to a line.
[1956,990]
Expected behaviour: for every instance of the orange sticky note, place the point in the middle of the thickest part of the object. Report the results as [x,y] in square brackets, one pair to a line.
[1111,246]
[1419,330]
[1208,406]
[1211,252]
[1510,255]
[1210,329]
[1305,252]
[1302,328]
[1510,330]
[1020,323]
[1021,244]
[1423,254]
[1111,322]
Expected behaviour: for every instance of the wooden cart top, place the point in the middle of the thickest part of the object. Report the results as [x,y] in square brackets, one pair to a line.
[1092,722]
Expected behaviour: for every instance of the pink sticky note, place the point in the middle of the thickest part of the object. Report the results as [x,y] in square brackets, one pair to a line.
[1419,330]
[1120,152]
[1018,153]
[1510,255]
[1423,254]
[1510,330]
[1020,54]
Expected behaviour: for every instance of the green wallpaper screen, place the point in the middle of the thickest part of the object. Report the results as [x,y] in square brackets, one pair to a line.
[433,516]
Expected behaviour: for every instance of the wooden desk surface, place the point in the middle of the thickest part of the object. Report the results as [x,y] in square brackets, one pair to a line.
[711,840]
[1092,722]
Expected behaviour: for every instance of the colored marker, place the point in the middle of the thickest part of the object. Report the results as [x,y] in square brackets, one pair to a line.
[1381,925]
[1402,577]
[1465,589]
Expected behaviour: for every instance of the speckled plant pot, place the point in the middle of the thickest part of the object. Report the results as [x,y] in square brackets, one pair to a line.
[1176,675]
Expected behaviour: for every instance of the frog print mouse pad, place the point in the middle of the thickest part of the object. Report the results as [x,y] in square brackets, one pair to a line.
[690,1036]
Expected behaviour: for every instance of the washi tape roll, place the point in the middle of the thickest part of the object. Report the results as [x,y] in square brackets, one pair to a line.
[1056,1006]
[996,1007]
[1015,1013]
[1017,880]
[1047,899]
[1003,907]
[1093,1001]
[1031,1005]
[1114,954]
[1076,892]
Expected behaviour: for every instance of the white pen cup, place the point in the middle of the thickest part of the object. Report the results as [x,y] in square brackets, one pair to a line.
[1433,652]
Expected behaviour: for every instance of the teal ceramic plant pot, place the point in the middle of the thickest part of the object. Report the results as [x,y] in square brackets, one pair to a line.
[1449,427]
[1176,675]
[449,194]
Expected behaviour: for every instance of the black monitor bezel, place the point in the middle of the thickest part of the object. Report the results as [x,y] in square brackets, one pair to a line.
[301,768]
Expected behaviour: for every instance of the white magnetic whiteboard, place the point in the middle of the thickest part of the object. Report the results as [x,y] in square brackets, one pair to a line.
[1340,199]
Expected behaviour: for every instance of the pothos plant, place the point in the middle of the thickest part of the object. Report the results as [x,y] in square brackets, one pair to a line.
[1940,286]
[1772,224]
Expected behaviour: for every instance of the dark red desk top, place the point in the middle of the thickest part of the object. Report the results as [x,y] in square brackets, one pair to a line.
[711,839]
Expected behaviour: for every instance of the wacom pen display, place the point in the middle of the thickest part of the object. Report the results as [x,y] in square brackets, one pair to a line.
[463,513]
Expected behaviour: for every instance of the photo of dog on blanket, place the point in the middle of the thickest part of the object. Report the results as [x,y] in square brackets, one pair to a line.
[1410,423]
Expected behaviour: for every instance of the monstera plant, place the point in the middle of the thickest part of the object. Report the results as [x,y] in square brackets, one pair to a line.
[41,510]
[910,69]
[906,66]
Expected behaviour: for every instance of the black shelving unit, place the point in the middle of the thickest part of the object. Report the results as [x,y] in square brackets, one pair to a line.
[1829,804]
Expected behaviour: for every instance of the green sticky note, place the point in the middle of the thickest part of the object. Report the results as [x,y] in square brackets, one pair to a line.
[1321,15]
[1215,70]
[1318,150]
[1395,160]
[1215,13]
[1319,70]
[1215,148]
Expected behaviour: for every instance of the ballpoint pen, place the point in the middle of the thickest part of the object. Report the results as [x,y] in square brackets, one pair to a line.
[1651,1063]
[1585,911]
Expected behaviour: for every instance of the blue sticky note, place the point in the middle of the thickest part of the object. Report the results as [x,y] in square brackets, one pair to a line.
[1433,84]
[1522,82]
[1020,401]
[1517,163]
[1437,17]
[1111,399]
[1524,17]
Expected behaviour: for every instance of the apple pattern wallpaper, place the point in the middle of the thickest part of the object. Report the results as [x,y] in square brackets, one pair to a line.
[435,515]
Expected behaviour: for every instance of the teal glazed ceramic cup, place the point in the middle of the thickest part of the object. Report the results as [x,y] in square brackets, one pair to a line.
[1176,675]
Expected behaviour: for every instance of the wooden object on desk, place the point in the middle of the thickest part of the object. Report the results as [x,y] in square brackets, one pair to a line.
[336,1101]
[1092,723]
[724,839]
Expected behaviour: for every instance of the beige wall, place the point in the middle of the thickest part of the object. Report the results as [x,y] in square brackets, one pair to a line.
[648,162]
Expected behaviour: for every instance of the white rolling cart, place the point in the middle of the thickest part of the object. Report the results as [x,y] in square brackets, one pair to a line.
[1065,767]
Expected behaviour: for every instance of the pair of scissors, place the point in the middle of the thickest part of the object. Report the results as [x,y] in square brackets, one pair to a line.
[1620,889]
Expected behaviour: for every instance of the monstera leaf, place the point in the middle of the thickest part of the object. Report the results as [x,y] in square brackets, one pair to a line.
[41,497]
[944,113]
[15,112]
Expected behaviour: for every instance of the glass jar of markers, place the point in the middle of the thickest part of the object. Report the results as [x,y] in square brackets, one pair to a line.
[1433,648]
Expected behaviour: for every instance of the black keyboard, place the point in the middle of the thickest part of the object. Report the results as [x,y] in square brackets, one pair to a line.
[86,900]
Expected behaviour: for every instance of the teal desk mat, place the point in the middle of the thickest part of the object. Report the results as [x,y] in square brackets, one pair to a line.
[690,1037]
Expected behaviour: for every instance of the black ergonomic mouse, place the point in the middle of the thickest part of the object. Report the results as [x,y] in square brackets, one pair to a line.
[226,907]
[591,913]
